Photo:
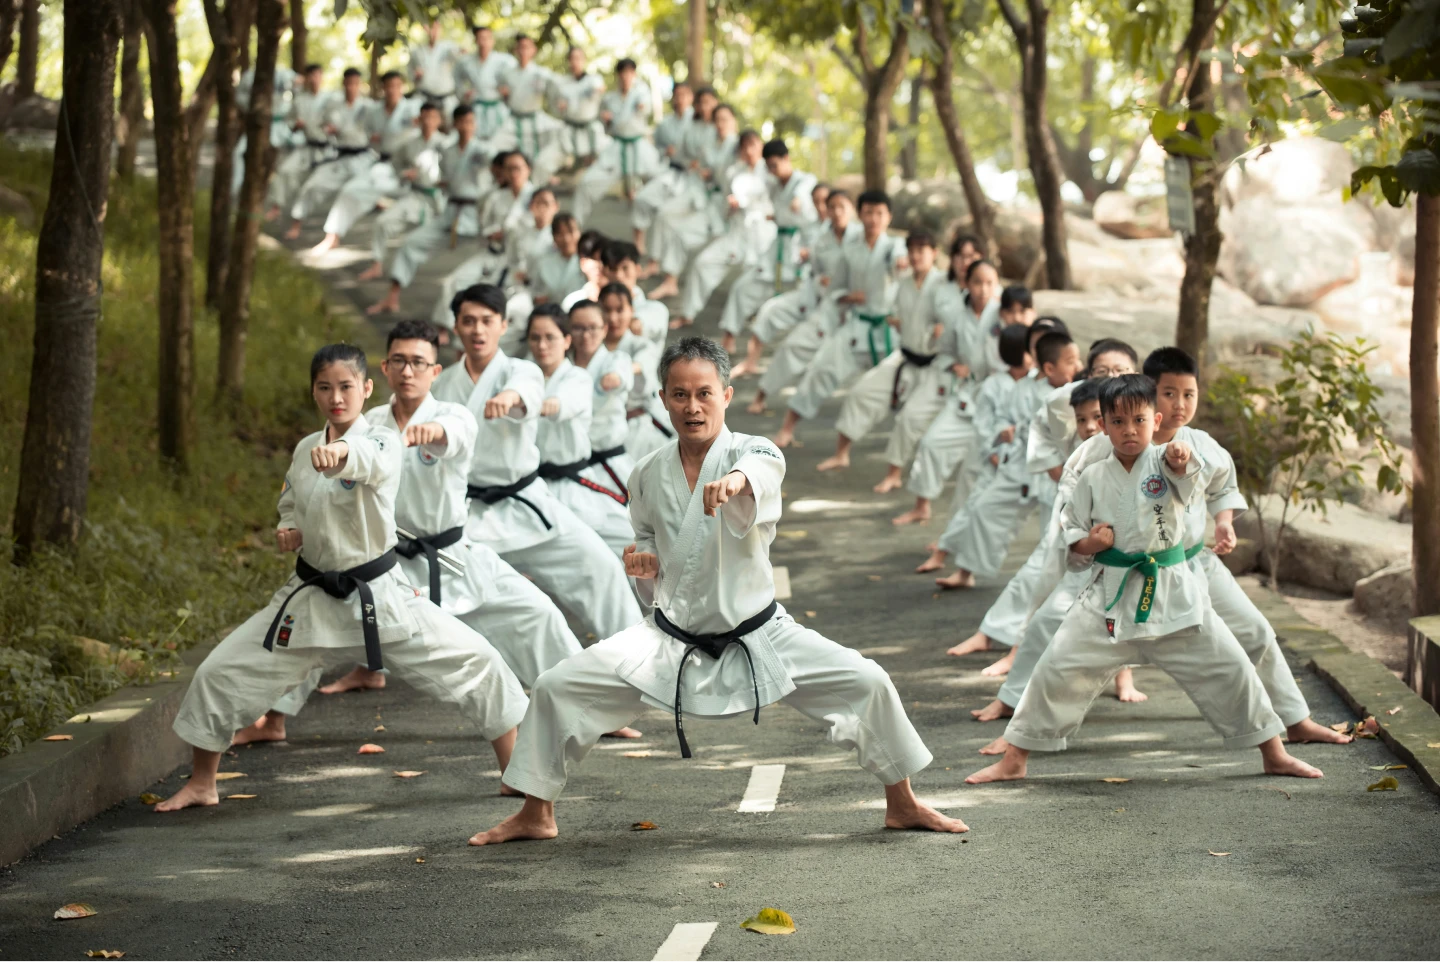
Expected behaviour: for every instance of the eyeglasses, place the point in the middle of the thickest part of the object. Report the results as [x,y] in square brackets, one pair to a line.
[400,362]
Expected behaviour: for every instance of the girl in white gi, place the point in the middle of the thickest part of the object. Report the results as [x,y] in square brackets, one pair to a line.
[461,164]
[802,294]
[908,381]
[628,158]
[305,144]
[803,316]
[979,536]
[687,221]
[524,86]
[648,426]
[577,101]
[556,272]
[669,179]
[969,301]
[511,508]
[864,285]
[392,124]
[347,123]
[432,68]
[463,577]
[705,510]
[1128,517]
[792,209]
[338,510]
[564,432]
[620,264]
[480,78]
[418,161]
[613,374]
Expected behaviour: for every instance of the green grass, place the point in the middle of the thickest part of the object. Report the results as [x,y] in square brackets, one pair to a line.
[166,561]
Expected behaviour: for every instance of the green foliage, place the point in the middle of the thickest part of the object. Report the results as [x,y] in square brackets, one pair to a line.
[1310,438]
[165,562]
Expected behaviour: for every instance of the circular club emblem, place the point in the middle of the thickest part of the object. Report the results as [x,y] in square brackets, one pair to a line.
[1154,486]
[348,485]
[426,457]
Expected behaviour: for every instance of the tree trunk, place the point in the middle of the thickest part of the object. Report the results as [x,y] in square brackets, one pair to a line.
[375,85]
[1202,248]
[55,454]
[299,38]
[132,92]
[175,196]
[880,85]
[223,26]
[259,161]
[9,15]
[695,42]
[942,82]
[27,64]
[910,153]
[1040,148]
[1425,406]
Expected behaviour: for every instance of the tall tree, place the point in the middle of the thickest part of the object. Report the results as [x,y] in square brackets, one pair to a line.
[175,196]
[942,90]
[27,64]
[299,37]
[55,454]
[259,162]
[880,80]
[910,149]
[229,28]
[132,91]
[9,16]
[1202,245]
[1031,41]
[695,41]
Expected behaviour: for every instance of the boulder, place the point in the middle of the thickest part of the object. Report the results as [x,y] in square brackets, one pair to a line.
[30,113]
[1331,551]
[1293,255]
[15,206]
[932,205]
[1388,595]
[1244,558]
[1130,217]
[1379,310]
[1296,172]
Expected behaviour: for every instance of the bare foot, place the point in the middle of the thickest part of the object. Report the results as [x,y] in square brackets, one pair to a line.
[976,642]
[388,304]
[935,562]
[191,796]
[743,369]
[727,344]
[906,812]
[891,482]
[1125,689]
[994,711]
[677,321]
[1008,769]
[534,821]
[997,747]
[509,792]
[626,732]
[372,273]
[359,679]
[834,463]
[1000,668]
[913,516]
[756,406]
[783,438]
[272,214]
[960,579]
[328,243]
[294,232]
[1309,731]
[669,287]
[1291,766]
[269,728]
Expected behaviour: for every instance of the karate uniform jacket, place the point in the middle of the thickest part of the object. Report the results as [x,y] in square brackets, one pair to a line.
[481,79]
[564,437]
[436,65]
[608,406]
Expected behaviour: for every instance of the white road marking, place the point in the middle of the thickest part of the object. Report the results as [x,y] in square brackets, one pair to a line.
[763,789]
[687,940]
[782,583]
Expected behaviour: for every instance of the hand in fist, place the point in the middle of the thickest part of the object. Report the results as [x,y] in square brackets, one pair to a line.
[641,564]
[719,492]
[427,433]
[326,456]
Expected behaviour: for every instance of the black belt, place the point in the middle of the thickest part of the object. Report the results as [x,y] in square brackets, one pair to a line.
[571,471]
[384,157]
[351,151]
[660,427]
[317,144]
[713,645]
[461,201]
[676,165]
[602,458]
[339,584]
[913,358]
[417,92]
[490,495]
[430,545]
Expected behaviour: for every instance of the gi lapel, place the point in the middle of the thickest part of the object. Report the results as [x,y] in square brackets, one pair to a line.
[685,553]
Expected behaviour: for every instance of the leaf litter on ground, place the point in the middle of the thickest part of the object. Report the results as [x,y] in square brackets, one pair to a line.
[369,749]
[104,954]
[59,738]
[643,827]
[1115,781]
[409,774]
[1386,784]
[770,922]
[75,910]
[150,798]
[226,776]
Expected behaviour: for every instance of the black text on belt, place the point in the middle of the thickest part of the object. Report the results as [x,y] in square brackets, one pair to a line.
[430,545]
[602,458]
[339,584]
[490,495]
[911,357]
[713,645]
[553,472]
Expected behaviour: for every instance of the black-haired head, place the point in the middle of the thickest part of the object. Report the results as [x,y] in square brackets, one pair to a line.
[696,349]
[1126,392]
[1050,346]
[617,252]
[1085,391]
[414,330]
[616,289]
[584,304]
[312,68]
[872,198]
[919,238]
[352,72]
[563,220]
[555,313]
[1170,360]
[1016,295]
[1110,345]
[775,148]
[975,267]
[347,354]
[1014,344]
[625,64]
[429,105]
[592,243]
[463,110]
[390,75]
[489,296]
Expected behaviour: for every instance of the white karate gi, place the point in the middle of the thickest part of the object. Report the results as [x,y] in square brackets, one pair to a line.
[306,145]
[506,212]
[778,267]
[416,203]
[351,157]
[460,169]
[390,131]
[280,132]
[435,64]
[686,221]
[864,338]
[669,177]
[1147,507]
[480,87]
[628,158]
[654,317]
[748,231]
[714,574]
[609,427]
[905,382]
[538,536]
[648,426]
[533,128]
[346,517]
[577,100]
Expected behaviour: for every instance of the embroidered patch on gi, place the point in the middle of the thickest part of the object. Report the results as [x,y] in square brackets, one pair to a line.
[348,485]
[1110,626]
[1154,486]
[426,457]
[283,636]
[286,485]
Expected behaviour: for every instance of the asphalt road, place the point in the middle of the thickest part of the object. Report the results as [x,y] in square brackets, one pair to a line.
[334,857]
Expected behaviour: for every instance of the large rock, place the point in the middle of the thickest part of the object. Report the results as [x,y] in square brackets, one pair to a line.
[1293,255]
[15,206]
[1388,595]
[1332,551]
[1131,217]
[27,113]
[1295,172]
[1380,311]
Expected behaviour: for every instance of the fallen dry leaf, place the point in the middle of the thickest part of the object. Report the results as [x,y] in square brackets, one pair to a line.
[1282,792]
[409,774]
[419,861]
[875,577]
[643,827]
[1387,768]
[1432,744]
[58,738]
[770,922]
[1217,854]
[368,749]
[104,954]
[225,776]
[810,614]
[379,728]
[643,753]
[1395,710]
[1115,781]
[1386,784]
[228,797]
[75,910]
[717,885]
[150,798]
[1341,727]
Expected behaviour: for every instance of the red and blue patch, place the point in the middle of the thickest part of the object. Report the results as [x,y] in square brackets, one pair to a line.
[426,458]
[347,484]
[1154,486]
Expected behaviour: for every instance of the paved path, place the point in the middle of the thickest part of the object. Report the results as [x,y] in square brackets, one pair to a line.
[336,858]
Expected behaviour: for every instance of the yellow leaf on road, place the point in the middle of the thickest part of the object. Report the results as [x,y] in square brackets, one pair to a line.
[1115,781]
[1395,710]
[419,861]
[1387,768]
[150,798]
[228,797]
[1217,854]
[875,577]
[409,774]
[58,738]
[368,749]
[770,922]
[75,910]
[104,954]
[811,614]
[640,754]
[224,776]
[1432,744]
[1386,784]
[717,885]
[379,728]
[1340,727]
[643,827]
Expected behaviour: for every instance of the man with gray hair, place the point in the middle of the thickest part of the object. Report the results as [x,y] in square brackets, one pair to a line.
[717,644]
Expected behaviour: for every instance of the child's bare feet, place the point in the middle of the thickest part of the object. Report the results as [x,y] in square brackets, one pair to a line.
[757,404]
[835,462]
[960,579]
[727,344]
[935,562]
[193,795]
[920,514]
[272,214]
[784,438]
[269,728]
[626,732]
[1125,689]
[388,304]
[677,321]
[1280,762]
[371,273]
[359,678]
[741,370]
[668,287]
[328,243]
[294,232]
[997,747]
[1008,769]
[994,711]
[976,642]
[1309,731]
[1000,668]
[904,811]
[534,821]
[891,481]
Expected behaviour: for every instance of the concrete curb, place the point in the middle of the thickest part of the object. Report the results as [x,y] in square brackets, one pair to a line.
[126,745]
[1365,684]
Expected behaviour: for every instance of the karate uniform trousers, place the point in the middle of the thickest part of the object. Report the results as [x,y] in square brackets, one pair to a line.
[291,172]
[915,393]
[843,357]
[682,226]
[431,236]
[626,162]
[581,699]
[708,270]
[326,181]
[979,536]
[757,282]
[950,441]
[362,194]
[412,209]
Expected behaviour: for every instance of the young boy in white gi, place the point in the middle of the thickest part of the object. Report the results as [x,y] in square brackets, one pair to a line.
[346,121]
[1144,603]
[669,177]
[480,77]
[432,69]
[347,596]
[704,559]
[628,158]
[577,100]
[305,144]
[525,86]
[420,197]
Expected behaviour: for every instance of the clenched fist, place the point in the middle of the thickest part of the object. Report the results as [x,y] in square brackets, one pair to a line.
[428,433]
[550,407]
[326,456]
[719,492]
[641,564]
[1177,455]
[1224,537]
[610,381]
[287,539]
[500,405]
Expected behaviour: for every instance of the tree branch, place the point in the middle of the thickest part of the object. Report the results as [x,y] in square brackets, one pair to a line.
[845,59]
[1012,17]
[551,22]
[861,42]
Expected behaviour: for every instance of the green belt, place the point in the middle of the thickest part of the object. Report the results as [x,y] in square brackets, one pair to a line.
[1148,565]
[520,134]
[782,236]
[876,322]
[627,144]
